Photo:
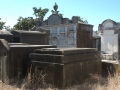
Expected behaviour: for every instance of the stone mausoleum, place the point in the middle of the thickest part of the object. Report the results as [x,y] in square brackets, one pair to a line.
[65,32]
[109,31]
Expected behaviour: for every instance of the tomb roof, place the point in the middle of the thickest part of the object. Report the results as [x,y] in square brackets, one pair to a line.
[33,32]
[5,32]
[109,20]
[56,18]
[84,23]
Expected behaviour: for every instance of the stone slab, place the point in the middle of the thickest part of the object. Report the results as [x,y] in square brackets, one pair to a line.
[65,51]
[63,58]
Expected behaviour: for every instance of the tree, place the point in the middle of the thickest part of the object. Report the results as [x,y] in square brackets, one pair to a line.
[2,24]
[29,22]
[8,28]
[25,23]
[81,19]
[40,13]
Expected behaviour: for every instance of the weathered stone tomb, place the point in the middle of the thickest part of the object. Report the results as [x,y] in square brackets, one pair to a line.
[4,34]
[14,60]
[31,37]
[65,67]
[67,33]
[109,31]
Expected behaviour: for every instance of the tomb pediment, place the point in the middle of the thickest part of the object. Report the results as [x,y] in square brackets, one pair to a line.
[57,19]
[54,19]
[108,25]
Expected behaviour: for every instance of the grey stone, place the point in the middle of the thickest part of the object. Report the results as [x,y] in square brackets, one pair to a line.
[38,23]
[16,57]
[44,23]
[31,37]
[75,19]
[66,21]
[67,65]
[54,20]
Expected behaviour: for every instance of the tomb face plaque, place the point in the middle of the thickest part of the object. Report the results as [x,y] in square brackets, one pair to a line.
[109,44]
[109,41]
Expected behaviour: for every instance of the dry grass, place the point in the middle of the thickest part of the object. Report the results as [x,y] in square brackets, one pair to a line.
[95,83]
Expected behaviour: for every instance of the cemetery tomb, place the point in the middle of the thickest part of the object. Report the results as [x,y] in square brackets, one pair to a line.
[14,60]
[64,67]
[109,32]
[4,34]
[68,33]
[31,37]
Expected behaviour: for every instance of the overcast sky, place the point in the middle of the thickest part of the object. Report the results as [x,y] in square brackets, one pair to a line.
[94,11]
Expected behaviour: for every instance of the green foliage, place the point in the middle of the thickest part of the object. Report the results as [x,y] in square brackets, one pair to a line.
[81,19]
[29,22]
[8,28]
[25,23]
[40,13]
[2,24]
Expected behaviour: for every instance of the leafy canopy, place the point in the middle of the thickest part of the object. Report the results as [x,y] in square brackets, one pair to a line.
[81,19]
[25,23]
[29,22]
[2,24]
[40,13]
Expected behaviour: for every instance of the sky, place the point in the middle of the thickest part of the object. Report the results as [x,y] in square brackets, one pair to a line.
[94,11]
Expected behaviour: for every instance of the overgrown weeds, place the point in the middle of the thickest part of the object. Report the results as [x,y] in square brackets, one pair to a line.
[95,83]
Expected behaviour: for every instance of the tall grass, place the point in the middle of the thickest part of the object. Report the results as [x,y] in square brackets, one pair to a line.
[95,83]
